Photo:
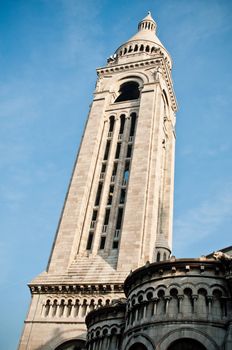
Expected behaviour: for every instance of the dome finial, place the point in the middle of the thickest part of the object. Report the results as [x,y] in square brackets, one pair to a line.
[147,23]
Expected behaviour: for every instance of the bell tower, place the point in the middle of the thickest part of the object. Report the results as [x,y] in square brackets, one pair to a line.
[118,209]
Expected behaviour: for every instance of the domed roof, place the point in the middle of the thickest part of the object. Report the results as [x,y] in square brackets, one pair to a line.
[144,43]
[147,31]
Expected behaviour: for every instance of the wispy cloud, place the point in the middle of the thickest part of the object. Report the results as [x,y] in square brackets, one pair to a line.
[202,222]
[209,19]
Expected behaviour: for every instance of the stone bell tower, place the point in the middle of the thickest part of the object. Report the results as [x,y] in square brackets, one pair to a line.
[118,210]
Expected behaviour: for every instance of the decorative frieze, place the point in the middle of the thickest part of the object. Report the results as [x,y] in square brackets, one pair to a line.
[75,288]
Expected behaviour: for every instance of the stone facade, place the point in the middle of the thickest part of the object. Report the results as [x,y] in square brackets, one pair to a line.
[119,206]
[180,304]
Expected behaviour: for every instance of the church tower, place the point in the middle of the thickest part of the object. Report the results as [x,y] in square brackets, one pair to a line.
[119,206]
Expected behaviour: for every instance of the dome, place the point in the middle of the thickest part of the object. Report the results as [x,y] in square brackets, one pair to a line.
[144,42]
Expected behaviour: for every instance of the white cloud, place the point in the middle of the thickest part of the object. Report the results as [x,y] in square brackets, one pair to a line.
[203,221]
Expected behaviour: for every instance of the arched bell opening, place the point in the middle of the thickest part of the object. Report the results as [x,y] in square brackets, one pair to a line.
[128,91]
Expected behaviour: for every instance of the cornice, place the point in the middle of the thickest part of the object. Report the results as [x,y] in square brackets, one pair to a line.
[173,268]
[75,288]
[157,61]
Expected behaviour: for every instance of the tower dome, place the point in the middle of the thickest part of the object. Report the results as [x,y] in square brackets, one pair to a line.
[144,43]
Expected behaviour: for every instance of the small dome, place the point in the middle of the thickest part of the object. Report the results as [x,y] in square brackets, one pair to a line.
[144,42]
[147,31]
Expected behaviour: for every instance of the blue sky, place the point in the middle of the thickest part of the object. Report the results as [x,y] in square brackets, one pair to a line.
[49,50]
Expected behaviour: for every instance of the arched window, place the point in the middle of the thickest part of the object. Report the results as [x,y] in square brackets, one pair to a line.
[122,123]
[186,344]
[72,345]
[158,257]
[128,91]
[111,127]
[166,97]
[133,121]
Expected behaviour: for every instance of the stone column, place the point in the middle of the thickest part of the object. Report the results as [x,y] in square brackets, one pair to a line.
[180,298]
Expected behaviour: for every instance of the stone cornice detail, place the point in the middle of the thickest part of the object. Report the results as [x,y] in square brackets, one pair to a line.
[158,61]
[178,267]
[75,288]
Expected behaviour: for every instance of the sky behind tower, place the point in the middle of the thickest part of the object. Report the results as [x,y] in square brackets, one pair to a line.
[49,51]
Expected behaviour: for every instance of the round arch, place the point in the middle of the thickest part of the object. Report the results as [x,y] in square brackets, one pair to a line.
[139,342]
[138,346]
[75,344]
[62,337]
[186,344]
[128,91]
[190,333]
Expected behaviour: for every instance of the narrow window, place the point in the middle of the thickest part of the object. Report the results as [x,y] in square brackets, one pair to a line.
[90,241]
[94,216]
[110,196]
[93,221]
[133,121]
[98,196]
[129,150]
[122,196]
[115,168]
[111,128]
[118,149]
[141,48]
[166,97]
[103,169]
[126,173]
[158,257]
[107,215]
[136,48]
[107,150]
[115,245]
[102,243]
[119,219]
[147,48]
[114,172]
[122,123]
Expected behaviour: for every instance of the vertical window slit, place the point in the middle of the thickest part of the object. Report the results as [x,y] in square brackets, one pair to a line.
[119,219]
[122,123]
[111,128]
[122,196]
[110,196]
[129,151]
[118,149]
[102,242]
[90,241]
[107,216]
[98,196]
[107,150]
[126,174]
[133,121]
